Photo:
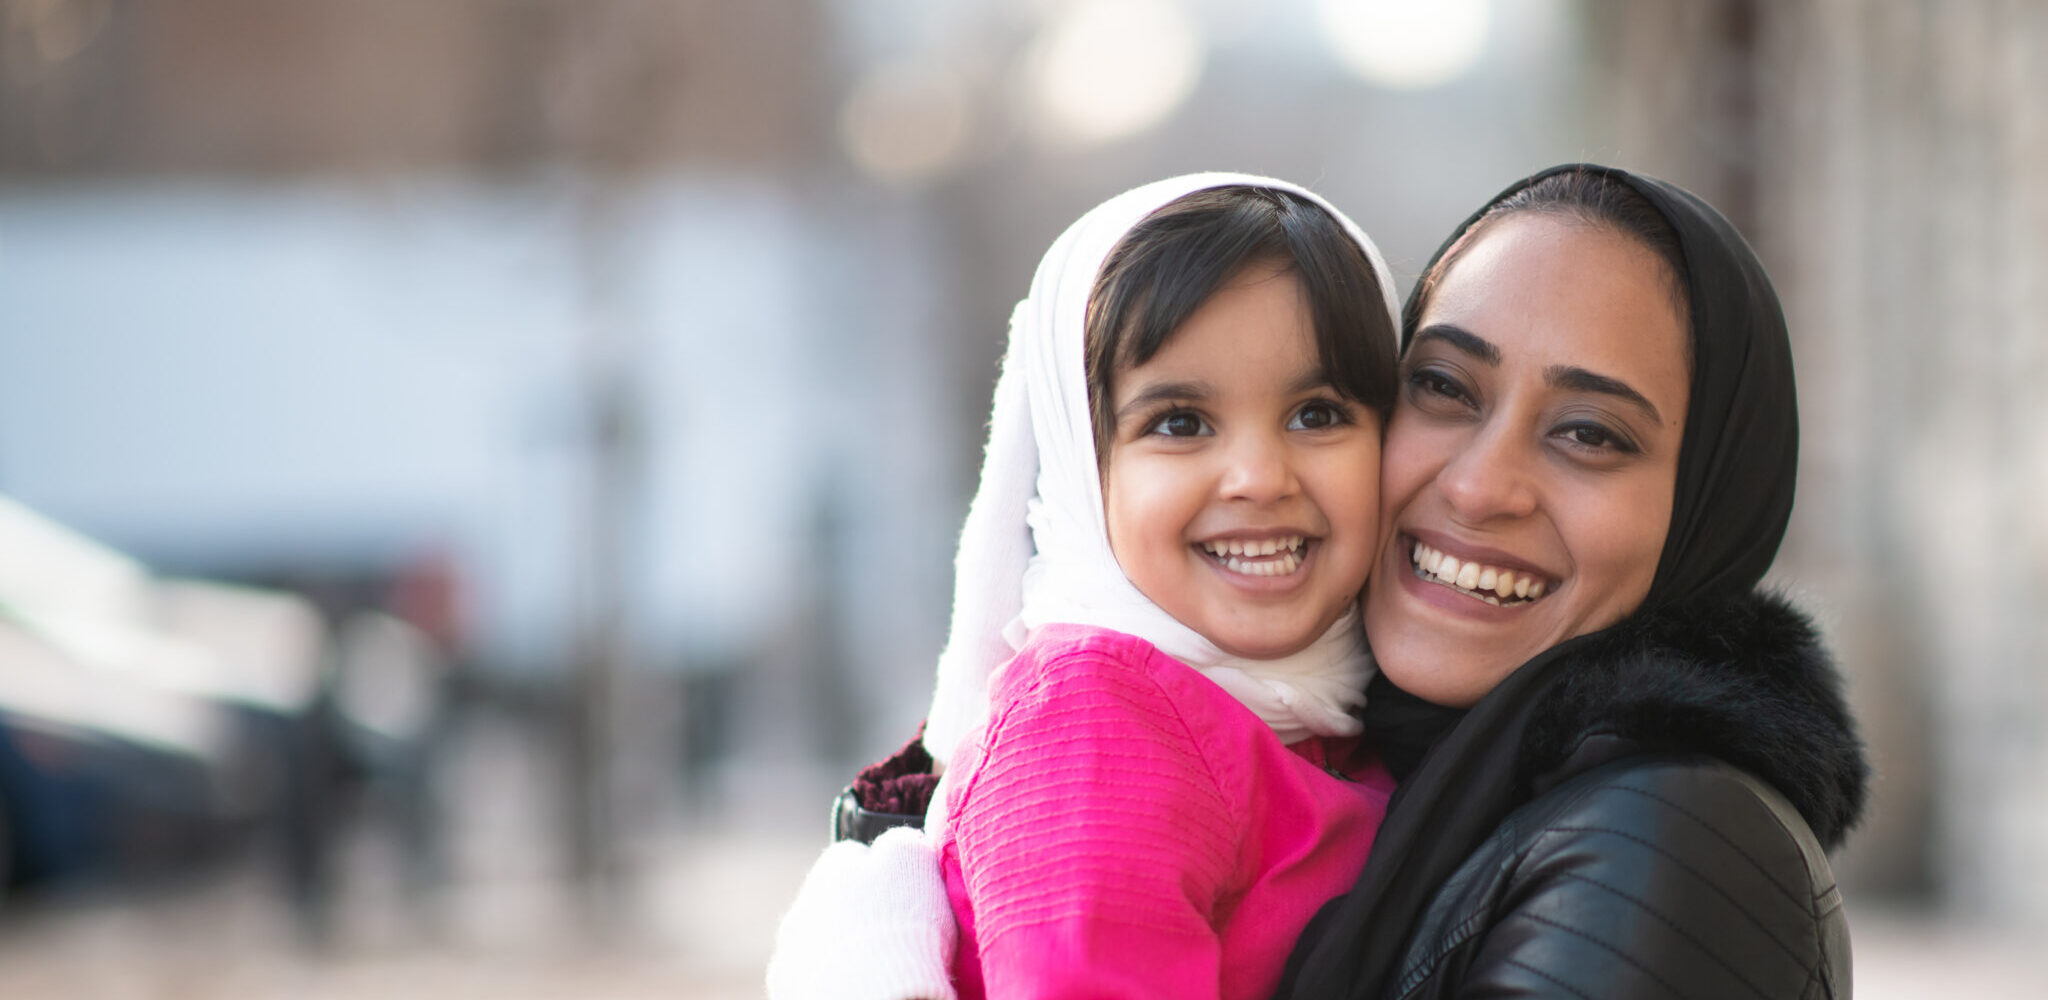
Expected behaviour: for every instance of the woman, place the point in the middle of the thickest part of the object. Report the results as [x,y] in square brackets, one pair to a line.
[1610,816]
[1623,786]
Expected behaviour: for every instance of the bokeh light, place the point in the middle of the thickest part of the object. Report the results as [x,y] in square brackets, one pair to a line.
[1103,71]
[906,121]
[1407,44]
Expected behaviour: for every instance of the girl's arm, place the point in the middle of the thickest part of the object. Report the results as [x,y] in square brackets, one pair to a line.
[1094,841]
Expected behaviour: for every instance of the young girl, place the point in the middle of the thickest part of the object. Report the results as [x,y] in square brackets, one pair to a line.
[1177,512]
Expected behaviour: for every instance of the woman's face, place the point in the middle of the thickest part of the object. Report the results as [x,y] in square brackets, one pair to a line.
[1531,459]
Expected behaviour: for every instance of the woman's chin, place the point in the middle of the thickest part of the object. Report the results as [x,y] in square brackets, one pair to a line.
[1445,660]
[1440,677]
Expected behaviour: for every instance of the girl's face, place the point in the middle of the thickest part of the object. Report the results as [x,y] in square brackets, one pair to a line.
[1532,455]
[1241,491]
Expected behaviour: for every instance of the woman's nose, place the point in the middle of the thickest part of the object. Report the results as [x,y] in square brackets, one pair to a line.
[1489,477]
[1259,470]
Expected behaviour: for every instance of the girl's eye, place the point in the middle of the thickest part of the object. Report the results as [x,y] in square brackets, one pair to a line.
[1318,416]
[1179,423]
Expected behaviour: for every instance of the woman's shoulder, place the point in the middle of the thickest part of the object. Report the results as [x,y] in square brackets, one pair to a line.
[1744,680]
[1690,812]
[1656,875]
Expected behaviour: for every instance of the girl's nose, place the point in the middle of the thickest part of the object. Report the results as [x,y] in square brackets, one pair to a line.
[1489,477]
[1258,470]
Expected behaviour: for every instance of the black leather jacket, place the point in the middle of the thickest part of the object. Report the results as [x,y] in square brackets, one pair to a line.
[1676,877]
[1647,863]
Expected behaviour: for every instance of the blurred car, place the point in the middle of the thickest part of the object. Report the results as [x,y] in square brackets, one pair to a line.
[97,774]
[142,721]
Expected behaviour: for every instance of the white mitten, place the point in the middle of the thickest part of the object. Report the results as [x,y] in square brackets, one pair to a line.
[870,922]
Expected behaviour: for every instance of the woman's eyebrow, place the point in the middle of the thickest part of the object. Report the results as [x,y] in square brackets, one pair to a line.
[1568,377]
[1461,339]
[1574,379]
[1160,392]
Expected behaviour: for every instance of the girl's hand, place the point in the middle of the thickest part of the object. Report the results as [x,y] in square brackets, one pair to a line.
[870,922]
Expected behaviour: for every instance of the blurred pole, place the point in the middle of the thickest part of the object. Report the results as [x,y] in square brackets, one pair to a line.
[612,59]
[612,464]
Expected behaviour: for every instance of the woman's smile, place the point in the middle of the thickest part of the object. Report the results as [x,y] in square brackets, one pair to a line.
[1479,575]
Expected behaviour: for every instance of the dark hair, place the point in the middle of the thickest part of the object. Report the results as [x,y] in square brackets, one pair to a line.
[1173,260]
[1584,196]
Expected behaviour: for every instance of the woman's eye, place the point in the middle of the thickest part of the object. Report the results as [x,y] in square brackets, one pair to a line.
[1179,424]
[1316,417]
[1430,382]
[1594,437]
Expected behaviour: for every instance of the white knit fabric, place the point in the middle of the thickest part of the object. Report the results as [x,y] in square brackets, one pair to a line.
[1035,549]
[871,922]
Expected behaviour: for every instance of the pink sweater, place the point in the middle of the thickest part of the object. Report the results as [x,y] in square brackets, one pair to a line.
[1125,828]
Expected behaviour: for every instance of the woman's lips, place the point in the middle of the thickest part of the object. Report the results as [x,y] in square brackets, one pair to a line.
[1500,586]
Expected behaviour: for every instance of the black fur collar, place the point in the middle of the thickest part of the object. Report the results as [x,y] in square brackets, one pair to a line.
[1744,680]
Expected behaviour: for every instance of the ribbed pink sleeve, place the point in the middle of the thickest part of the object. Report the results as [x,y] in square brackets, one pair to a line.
[1093,838]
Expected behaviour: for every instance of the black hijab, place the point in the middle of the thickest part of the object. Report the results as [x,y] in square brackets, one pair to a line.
[1736,465]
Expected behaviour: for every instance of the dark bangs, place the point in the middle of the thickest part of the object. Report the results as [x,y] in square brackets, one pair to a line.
[1170,263]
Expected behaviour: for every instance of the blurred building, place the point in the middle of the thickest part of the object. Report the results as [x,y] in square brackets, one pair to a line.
[670,326]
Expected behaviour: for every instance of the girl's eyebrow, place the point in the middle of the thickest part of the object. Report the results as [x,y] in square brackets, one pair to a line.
[1309,380]
[1162,392]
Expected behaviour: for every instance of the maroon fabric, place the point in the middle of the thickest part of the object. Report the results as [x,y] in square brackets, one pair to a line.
[901,785]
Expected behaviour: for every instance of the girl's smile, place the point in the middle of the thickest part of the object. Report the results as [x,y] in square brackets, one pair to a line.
[1272,556]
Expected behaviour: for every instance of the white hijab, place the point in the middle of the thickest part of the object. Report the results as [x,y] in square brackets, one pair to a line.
[1035,549]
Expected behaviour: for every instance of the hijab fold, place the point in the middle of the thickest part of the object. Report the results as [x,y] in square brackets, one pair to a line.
[1733,498]
[1035,548]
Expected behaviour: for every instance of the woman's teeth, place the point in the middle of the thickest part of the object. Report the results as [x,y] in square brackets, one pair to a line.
[1488,583]
[1265,557]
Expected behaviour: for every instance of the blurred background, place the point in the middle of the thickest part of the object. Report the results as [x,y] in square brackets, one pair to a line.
[477,476]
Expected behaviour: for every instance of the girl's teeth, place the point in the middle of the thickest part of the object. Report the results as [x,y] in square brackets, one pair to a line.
[1468,576]
[1238,555]
[1255,549]
[1282,566]
[1522,585]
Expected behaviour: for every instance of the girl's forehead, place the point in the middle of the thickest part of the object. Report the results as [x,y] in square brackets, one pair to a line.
[1259,319]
